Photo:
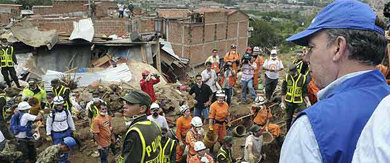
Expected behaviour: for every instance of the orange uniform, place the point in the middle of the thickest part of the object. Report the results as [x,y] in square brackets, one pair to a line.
[232,56]
[261,118]
[220,113]
[196,159]
[182,126]
[384,70]
[192,137]
[214,63]
[259,65]
[312,90]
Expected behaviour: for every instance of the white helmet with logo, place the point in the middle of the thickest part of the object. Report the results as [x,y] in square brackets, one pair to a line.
[58,100]
[256,49]
[199,145]
[154,106]
[183,108]
[220,93]
[196,122]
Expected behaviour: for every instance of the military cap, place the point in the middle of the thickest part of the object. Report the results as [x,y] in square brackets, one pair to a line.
[255,128]
[228,140]
[137,97]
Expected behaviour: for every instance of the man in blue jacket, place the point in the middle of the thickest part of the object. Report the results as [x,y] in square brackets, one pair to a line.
[346,40]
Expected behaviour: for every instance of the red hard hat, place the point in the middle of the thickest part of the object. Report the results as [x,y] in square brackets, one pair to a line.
[145,73]
[248,48]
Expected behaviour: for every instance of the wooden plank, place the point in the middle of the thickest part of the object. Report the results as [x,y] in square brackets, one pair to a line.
[158,57]
[101,61]
[143,51]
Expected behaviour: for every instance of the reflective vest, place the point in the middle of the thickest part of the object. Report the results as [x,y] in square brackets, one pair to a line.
[294,88]
[167,150]
[95,112]
[300,66]
[151,141]
[61,93]
[225,154]
[6,58]
[41,95]
[2,95]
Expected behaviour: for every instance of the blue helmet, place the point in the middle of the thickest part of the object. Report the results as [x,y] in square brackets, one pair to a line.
[70,142]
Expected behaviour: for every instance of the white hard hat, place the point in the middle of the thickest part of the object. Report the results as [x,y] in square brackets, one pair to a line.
[260,100]
[154,106]
[196,122]
[220,94]
[204,159]
[256,49]
[58,100]
[183,108]
[24,106]
[274,51]
[199,145]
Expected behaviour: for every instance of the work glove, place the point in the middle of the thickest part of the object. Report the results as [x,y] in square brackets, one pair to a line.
[282,105]
[211,128]
[48,138]
[252,158]
[308,104]
[229,124]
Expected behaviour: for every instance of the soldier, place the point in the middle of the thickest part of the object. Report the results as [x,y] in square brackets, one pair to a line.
[8,61]
[225,152]
[3,123]
[64,92]
[168,145]
[53,153]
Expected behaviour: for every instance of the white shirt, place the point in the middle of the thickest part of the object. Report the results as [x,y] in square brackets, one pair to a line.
[160,120]
[373,144]
[61,123]
[273,65]
[300,144]
[23,122]
[2,138]
[211,82]
[257,143]
[247,71]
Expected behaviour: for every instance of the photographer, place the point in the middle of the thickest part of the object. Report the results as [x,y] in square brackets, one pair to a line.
[248,69]
[228,80]
[147,82]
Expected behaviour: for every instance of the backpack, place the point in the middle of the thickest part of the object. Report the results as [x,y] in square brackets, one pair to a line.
[15,125]
[54,116]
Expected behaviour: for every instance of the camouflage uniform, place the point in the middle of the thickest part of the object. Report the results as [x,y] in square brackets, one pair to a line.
[51,154]
[9,153]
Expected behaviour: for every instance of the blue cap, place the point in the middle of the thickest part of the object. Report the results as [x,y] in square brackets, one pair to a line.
[349,14]
[70,142]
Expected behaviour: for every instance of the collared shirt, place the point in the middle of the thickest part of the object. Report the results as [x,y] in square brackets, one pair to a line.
[160,120]
[202,94]
[373,144]
[300,144]
[212,76]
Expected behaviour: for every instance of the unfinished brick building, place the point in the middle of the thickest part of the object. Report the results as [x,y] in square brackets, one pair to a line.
[7,12]
[193,34]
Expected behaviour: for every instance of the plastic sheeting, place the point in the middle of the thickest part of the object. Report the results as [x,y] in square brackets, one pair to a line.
[116,74]
[83,30]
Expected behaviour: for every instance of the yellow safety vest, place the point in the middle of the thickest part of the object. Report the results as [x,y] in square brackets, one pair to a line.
[95,112]
[6,58]
[41,95]
[167,152]
[300,66]
[226,155]
[294,88]
[151,142]
[61,93]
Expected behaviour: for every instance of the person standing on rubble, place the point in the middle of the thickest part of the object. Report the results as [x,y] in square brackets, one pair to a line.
[59,124]
[64,92]
[4,132]
[219,117]
[142,142]
[210,78]
[8,61]
[294,94]
[248,69]
[156,117]
[203,95]
[259,66]
[201,155]
[272,66]
[35,91]
[346,40]
[193,135]
[214,59]
[102,132]
[183,124]
[93,107]
[228,81]
[253,145]
[147,82]
[225,152]
[168,145]
[53,153]
[234,57]
[262,114]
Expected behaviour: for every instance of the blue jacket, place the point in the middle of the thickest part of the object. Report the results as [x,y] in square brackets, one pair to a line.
[339,118]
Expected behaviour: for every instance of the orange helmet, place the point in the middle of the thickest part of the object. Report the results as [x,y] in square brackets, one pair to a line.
[248,48]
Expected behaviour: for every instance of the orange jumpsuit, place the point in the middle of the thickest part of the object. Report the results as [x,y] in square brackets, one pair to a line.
[261,118]
[220,113]
[214,63]
[384,70]
[192,137]
[232,57]
[182,126]
[259,65]
[312,90]
[196,159]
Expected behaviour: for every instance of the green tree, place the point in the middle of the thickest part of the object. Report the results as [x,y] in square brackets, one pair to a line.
[27,4]
[263,35]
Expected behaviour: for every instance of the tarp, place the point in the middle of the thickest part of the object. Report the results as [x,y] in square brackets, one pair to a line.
[30,35]
[83,30]
[116,74]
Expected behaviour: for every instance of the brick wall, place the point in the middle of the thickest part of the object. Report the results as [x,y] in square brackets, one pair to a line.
[209,32]
[8,11]
[175,33]
[215,17]
[196,34]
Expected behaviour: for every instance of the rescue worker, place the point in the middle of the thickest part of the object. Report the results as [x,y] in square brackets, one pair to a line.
[53,153]
[233,56]
[253,145]
[35,91]
[225,152]
[262,114]
[147,82]
[8,61]
[248,69]
[228,81]
[156,117]
[259,66]
[3,122]
[312,91]
[168,152]
[142,142]
[93,107]
[214,60]
[50,105]
[294,93]
[302,66]
[201,155]
[183,124]
[64,92]
[193,135]
[219,117]
[272,66]
[249,51]
[59,124]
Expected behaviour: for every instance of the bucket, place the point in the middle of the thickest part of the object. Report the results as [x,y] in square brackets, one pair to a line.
[239,131]
[210,139]
[267,137]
